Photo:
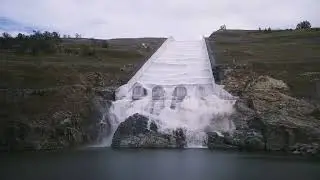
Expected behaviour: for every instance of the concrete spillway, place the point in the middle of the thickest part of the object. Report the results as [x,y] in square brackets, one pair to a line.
[176,89]
[177,62]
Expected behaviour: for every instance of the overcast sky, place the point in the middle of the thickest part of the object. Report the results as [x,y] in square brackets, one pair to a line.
[141,18]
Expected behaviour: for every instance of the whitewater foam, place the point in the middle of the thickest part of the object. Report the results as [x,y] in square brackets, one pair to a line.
[175,89]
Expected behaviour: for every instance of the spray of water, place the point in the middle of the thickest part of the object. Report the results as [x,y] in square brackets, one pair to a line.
[175,88]
[200,110]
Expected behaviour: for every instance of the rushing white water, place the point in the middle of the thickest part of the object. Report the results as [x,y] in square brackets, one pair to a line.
[176,89]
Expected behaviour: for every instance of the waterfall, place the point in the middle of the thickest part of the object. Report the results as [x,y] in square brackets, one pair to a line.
[175,88]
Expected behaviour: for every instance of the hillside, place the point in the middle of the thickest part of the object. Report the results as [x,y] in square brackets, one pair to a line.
[292,56]
[57,100]
[59,69]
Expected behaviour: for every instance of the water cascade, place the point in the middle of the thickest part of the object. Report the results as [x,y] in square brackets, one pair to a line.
[175,88]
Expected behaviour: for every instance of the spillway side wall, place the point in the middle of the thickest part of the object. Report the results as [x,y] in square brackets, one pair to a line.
[140,70]
[216,71]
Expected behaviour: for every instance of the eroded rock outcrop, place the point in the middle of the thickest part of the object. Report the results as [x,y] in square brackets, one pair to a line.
[137,132]
[268,118]
[55,118]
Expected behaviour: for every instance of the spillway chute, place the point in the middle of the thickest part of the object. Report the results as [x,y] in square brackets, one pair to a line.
[176,89]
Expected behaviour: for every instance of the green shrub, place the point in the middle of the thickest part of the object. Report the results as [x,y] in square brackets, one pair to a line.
[34,44]
[303,25]
[105,44]
[87,51]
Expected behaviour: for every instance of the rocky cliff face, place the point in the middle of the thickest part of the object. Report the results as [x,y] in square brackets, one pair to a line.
[267,117]
[67,117]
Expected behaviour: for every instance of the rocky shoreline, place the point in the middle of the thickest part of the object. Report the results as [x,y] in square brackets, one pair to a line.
[269,117]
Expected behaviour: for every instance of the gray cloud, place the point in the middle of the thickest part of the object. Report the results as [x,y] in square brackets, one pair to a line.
[179,18]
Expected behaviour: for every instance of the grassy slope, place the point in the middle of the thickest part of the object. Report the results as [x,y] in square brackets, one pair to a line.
[293,56]
[66,83]
[62,69]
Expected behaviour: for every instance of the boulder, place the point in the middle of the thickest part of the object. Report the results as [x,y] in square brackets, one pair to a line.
[107,93]
[268,83]
[180,138]
[147,140]
[242,115]
[305,149]
[218,141]
[134,132]
[239,140]
[254,141]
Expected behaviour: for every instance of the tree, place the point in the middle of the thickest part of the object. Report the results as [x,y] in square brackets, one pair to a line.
[267,30]
[105,44]
[86,50]
[6,41]
[78,35]
[56,36]
[304,25]
[35,43]
[20,36]
[223,27]
[6,35]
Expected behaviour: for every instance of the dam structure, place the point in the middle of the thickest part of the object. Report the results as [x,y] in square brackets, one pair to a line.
[175,88]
